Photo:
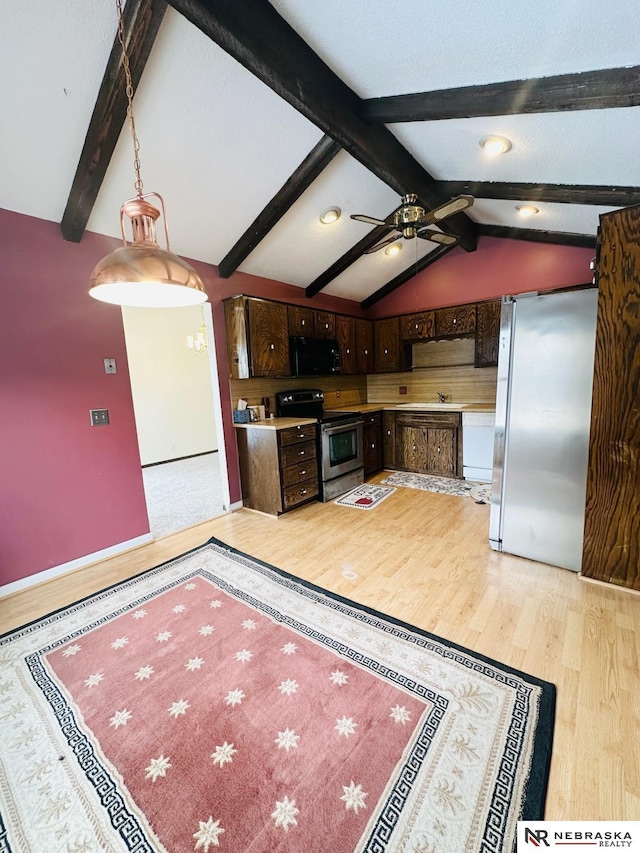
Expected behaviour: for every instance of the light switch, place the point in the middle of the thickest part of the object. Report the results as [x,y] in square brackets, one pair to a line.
[99,417]
[110,365]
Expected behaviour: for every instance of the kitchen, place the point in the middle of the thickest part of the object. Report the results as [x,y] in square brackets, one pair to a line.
[395,419]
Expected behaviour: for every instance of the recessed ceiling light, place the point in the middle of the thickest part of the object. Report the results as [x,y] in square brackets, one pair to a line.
[494,145]
[527,210]
[330,215]
[393,249]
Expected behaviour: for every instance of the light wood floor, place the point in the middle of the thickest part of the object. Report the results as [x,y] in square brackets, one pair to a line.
[424,558]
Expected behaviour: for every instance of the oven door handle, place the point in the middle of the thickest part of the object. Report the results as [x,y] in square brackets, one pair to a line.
[333,430]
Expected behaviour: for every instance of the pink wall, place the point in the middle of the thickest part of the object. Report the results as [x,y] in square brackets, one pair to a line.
[66,489]
[496,268]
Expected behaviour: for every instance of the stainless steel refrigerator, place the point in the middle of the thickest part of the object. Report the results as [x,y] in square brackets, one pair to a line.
[543,416]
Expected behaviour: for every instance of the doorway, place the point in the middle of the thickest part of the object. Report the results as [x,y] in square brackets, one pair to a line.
[176,402]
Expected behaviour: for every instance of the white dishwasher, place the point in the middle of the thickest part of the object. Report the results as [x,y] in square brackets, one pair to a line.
[477,445]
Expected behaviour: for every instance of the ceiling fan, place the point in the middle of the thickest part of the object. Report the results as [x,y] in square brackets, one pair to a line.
[411,220]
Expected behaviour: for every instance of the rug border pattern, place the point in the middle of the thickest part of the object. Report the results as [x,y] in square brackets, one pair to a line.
[534,789]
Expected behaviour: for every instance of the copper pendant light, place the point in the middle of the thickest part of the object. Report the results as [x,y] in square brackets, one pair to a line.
[141,273]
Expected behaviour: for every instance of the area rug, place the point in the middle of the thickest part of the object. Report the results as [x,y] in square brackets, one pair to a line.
[217,703]
[480,492]
[367,496]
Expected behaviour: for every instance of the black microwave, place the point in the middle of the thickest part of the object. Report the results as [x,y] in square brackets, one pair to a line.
[313,356]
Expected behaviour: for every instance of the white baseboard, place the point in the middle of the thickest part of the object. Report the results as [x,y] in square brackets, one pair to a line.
[234,506]
[72,565]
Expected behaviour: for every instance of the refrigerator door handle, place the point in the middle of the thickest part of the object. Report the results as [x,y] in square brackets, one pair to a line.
[507,319]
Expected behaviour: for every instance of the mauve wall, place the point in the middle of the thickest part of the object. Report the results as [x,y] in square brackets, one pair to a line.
[68,489]
[496,268]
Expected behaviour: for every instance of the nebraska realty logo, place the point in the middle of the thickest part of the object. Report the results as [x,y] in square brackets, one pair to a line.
[576,835]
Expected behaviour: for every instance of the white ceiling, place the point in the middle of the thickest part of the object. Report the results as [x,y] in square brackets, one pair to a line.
[218,144]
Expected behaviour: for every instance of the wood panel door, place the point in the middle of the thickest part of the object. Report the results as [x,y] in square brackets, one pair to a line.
[346,337]
[412,447]
[324,324]
[301,321]
[372,442]
[364,346]
[389,439]
[268,338]
[387,345]
[487,333]
[459,320]
[611,550]
[441,452]
[418,327]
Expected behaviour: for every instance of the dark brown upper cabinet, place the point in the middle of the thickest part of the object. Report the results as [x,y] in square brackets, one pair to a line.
[459,320]
[324,324]
[364,346]
[301,321]
[386,335]
[418,327]
[257,337]
[487,333]
[346,337]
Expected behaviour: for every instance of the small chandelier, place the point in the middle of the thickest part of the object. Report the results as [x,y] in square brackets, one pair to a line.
[140,273]
[198,344]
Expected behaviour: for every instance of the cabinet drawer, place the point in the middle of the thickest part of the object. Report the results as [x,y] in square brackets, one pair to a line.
[297,453]
[299,472]
[296,435]
[299,493]
[372,418]
[431,419]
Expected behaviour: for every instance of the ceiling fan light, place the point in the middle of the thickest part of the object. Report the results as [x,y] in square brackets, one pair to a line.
[526,210]
[332,214]
[393,249]
[495,145]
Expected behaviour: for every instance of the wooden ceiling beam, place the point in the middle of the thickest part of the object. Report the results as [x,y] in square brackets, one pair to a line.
[610,196]
[405,276]
[589,90]
[378,233]
[561,238]
[141,19]
[319,157]
[253,33]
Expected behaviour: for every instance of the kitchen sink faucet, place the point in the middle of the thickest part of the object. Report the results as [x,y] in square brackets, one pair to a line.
[441,397]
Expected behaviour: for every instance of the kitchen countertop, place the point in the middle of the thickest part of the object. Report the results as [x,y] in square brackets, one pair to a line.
[427,407]
[277,423]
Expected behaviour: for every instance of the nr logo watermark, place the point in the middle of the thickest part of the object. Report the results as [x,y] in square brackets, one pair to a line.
[567,835]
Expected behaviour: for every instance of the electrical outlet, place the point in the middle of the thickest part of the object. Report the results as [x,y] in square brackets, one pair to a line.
[110,365]
[337,393]
[402,389]
[99,417]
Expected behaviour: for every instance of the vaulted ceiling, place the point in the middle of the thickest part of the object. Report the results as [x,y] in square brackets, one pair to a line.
[254,117]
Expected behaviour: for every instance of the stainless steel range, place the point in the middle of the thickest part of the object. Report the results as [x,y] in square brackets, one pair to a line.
[340,451]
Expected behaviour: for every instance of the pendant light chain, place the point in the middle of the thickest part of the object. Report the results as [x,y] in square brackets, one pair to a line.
[129,91]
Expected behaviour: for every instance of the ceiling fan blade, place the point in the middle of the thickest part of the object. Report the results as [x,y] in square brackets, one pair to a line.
[437,237]
[454,205]
[381,244]
[370,220]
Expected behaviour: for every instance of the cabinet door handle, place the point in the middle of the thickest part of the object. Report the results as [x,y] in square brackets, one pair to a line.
[388,432]
[272,346]
[366,352]
[414,447]
[454,321]
[348,351]
[301,453]
[373,447]
[386,351]
[302,472]
[438,448]
[303,491]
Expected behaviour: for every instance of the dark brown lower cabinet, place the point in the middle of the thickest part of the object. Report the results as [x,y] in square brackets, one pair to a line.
[372,442]
[278,468]
[389,439]
[429,443]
